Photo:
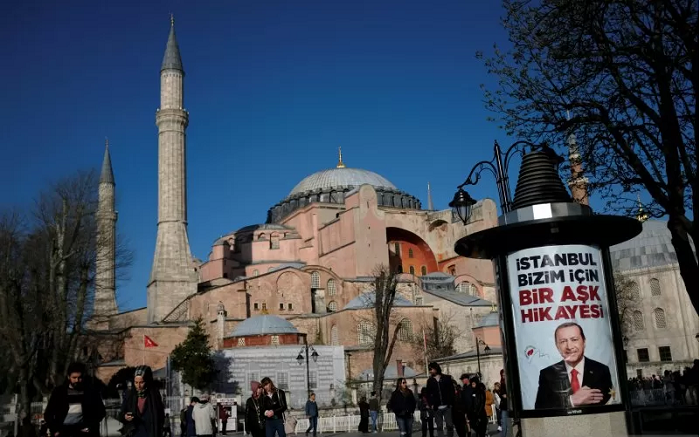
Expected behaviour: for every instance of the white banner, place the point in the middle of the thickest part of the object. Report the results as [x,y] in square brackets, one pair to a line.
[566,354]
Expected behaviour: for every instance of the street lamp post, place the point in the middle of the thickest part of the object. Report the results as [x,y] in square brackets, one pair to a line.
[304,356]
[479,342]
[462,202]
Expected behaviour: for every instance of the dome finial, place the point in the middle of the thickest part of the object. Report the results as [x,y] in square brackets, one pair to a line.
[340,159]
[642,215]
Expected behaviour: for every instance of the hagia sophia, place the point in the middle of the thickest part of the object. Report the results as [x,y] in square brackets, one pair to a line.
[306,274]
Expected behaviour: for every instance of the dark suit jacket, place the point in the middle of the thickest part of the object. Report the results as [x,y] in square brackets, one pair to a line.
[554,386]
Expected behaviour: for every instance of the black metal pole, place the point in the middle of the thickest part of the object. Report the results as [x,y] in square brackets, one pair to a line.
[501,177]
[478,358]
[308,371]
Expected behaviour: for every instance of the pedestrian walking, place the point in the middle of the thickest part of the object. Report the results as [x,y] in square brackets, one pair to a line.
[183,422]
[403,404]
[223,417]
[477,412]
[204,417]
[504,424]
[364,415]
[459,412]
[167,432]
[426,413]
[142,411]
[274,406]
[75,409]
[311,411]
[254,417]
[374,410]
[189,420]
[497,402]
[441,394]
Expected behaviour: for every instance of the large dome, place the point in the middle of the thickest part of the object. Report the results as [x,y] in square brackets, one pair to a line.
[341,177]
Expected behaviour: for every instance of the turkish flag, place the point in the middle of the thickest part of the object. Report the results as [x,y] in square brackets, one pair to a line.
[148,342]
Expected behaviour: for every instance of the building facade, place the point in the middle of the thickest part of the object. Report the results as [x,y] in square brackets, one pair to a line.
[313,263]
[663,328]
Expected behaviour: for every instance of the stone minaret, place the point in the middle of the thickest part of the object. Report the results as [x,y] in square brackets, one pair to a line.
[173,276]
[105,303]
[578,184]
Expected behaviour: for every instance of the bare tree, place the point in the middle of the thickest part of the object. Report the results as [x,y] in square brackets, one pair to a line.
[628,299]
[437,339]
[627,73]
[47,269]
[380,328]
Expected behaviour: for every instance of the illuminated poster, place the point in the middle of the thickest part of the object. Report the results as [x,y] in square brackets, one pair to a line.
[564,341]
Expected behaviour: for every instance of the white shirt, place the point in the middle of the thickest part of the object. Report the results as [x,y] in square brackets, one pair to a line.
[579,368]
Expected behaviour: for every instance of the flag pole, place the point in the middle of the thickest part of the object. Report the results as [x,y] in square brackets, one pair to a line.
[143,345]
[425,351]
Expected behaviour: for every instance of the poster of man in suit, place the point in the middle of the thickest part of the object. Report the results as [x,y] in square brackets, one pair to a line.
[562,328]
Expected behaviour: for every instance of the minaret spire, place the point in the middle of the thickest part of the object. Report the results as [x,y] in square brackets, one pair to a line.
[105,303]
[578,184]
[340,159]
[642,215]
[430,199]
[173,276]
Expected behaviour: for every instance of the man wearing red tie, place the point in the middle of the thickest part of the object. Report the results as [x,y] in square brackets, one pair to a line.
[576,380]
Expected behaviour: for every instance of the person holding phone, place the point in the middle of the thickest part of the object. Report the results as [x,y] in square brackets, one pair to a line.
[274,406]
[142,411]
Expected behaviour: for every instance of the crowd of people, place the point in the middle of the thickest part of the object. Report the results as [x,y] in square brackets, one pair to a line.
[444,405]
[677,387]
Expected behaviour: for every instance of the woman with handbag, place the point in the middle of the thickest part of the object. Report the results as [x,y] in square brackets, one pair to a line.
[274,406]
[254,417]
[142,411]
[403,404]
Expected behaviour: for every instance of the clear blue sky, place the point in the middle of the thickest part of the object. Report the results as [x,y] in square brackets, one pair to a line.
[273,87]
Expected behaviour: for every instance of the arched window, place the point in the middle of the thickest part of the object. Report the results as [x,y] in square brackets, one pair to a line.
[660,318]
[274,241]
[331,287]
[655,287]
[332,306]
[634,291]
[364,333]
[638,320]
[423,270]
[315,280]
[410,253]
[405,330]
[334,336]
[261,236]
[464,287]
[255,272]
[397,249]
[419,300]
[452,270]
[412,270]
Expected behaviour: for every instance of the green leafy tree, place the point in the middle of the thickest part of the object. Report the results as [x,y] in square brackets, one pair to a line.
[193,358]
[622,75]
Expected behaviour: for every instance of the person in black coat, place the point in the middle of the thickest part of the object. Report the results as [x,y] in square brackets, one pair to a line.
[274,406]
[459,412]
[403,404]
[426,413]
[576,380]
[254,417]
[142,411]
[478,421]
[75,409]
[441,394]
[364,415]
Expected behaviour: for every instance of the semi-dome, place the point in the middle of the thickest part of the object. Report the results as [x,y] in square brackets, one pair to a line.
[264,325]
[341,177]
